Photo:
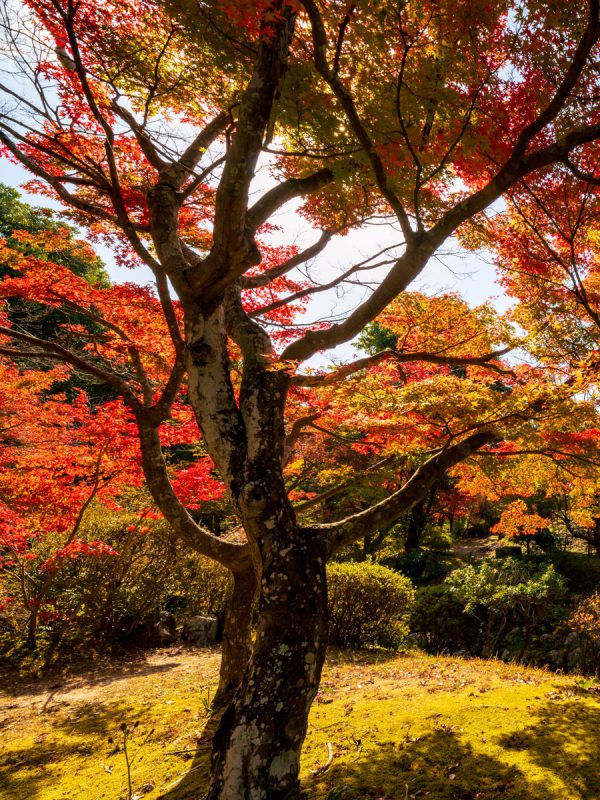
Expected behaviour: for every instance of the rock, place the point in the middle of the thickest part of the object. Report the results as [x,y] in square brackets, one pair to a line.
[167,627]
[158,629]
[514,633]
[554,657]
[200,630]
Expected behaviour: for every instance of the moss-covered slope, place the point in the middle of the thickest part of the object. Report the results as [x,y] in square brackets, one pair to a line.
[399,727]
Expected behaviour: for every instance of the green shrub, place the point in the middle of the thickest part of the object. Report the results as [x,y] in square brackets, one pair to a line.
[581,572]
[368,604]
[153,567]
[441,623]
[206,586]
[95,604]
[436,537]
[499,591]
[585,622]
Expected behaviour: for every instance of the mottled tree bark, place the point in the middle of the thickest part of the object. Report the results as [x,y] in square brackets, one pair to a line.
[237,635]
[256,751]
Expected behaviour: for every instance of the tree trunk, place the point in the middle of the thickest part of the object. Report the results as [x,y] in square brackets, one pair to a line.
[526,643]
[237,635]
[488,646]
[256,749]
[32,624]
[416,523]
[596,535]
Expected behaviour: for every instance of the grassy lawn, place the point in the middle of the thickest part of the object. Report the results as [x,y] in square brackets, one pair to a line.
[399,727]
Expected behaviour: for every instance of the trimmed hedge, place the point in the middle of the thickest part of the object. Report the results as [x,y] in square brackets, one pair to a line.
[368,605]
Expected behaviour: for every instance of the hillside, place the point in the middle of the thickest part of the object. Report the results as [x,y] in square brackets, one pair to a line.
[407,726]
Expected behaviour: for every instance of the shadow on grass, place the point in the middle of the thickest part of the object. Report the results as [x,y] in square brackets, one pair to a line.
[23,772]
[15,687]
[565,739]
[86,733]
[437,765]
[338,656]
[194,783]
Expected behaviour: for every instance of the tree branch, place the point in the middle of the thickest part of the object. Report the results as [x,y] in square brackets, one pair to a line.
[231,244]
[302,257]
[66,196]
[56,352]
[410,264]
[402,358]
[145,142]
[570,79]
[393,507]
[320,498]
[347,103]
[296,431]
[283,193]
[178,172]
[233,556]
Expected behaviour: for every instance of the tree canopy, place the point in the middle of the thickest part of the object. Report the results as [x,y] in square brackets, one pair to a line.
[148,122]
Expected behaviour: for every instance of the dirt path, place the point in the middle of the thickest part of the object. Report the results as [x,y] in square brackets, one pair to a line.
[105,684]
[481,547]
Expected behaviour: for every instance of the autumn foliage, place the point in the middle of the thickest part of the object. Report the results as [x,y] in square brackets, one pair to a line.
[176,134]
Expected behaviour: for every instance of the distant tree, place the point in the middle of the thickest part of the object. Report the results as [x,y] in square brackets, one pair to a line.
[36,232]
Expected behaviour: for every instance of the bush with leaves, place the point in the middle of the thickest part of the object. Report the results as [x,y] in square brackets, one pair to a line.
[585,622]
[499,591]
[368,605]
[153,570]
[440,622]
[580,571]
[97,603]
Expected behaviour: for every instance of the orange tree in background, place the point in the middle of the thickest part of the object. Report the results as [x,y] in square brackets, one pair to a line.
[369,432]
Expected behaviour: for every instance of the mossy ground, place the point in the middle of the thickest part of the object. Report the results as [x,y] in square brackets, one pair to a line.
[400,727]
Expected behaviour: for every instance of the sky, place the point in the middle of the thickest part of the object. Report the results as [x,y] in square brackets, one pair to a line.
[453,269]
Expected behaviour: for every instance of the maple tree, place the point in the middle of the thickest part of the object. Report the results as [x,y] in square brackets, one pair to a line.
[367,434]
[60,458]
[62,452]
[360,437]
[545,245]
[57,458]
[546,478]
[147,121]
